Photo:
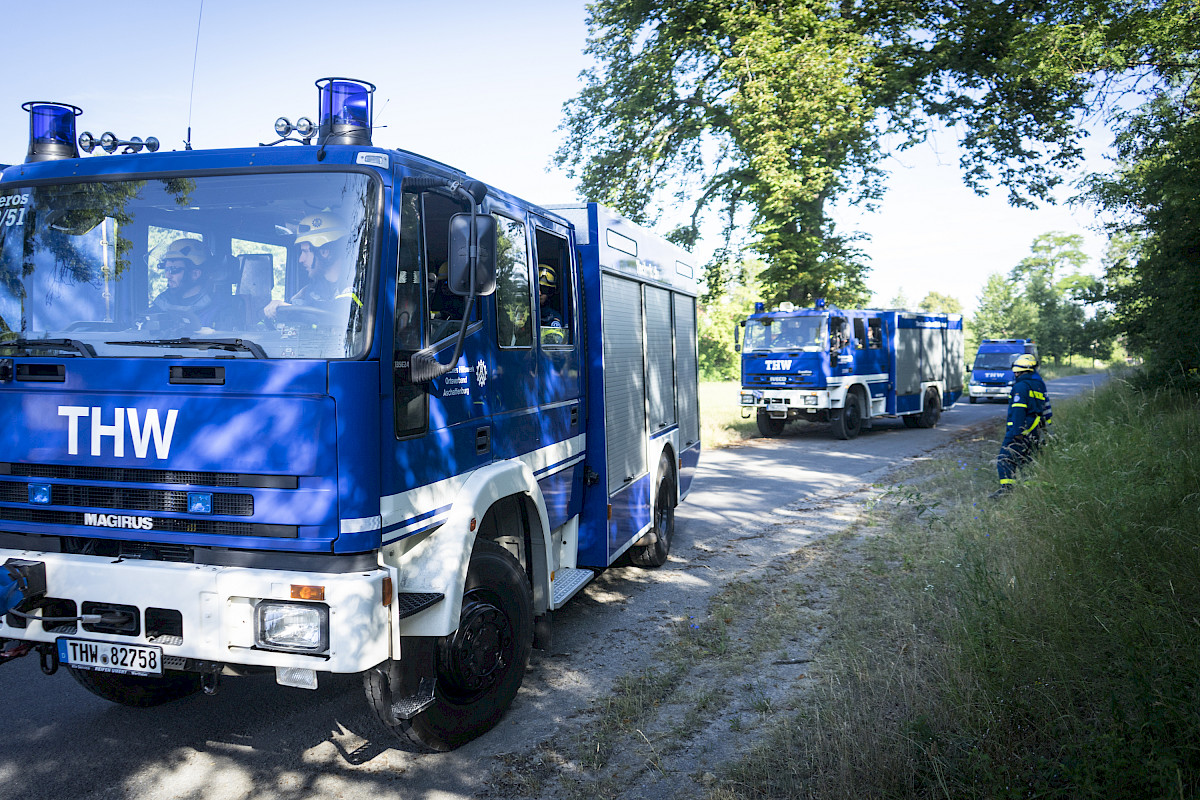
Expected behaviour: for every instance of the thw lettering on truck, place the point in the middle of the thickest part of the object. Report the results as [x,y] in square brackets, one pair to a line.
[142,430]
[225,466]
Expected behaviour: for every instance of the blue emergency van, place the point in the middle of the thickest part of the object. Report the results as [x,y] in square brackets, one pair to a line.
[324,407]
[848,367]
[991,371]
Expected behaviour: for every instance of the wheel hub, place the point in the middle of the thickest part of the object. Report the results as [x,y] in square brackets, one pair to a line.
[479,651]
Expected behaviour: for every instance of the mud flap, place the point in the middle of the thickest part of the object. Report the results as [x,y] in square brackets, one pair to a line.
[408,684]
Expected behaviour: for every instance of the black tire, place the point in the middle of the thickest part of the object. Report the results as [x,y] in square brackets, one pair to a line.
[136,690]
[932,412]
[481,665]
[655,555]
[849,421]
[912,420]
[972,399]
[769,426]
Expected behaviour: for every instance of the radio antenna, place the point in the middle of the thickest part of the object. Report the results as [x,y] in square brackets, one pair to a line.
[187,145]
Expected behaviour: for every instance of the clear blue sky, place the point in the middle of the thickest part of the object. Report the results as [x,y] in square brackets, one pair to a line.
[479,85]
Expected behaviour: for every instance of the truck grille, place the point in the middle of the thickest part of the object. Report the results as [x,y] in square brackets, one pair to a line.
[120,498]
[171,525]
[132,475]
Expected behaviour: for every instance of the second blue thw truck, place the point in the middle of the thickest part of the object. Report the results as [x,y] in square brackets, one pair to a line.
[849,367]
[327,408]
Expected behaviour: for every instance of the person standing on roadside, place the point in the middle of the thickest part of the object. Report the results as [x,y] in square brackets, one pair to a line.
[1028,414]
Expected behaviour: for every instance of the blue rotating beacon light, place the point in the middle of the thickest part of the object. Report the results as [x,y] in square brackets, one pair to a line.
[344,111]
[51,131]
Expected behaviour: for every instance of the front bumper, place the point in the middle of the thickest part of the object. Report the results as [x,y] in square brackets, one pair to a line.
[991,392]
[783,403]
[207,613]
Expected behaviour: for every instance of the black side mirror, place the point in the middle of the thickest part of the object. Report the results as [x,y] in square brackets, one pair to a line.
[460,250]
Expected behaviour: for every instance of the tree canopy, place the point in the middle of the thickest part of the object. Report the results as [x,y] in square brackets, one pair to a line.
[766,110]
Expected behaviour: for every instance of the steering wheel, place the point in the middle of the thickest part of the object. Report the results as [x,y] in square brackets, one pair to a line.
[306,315]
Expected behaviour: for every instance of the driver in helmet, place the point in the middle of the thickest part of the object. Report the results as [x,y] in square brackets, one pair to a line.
[188,296]
[322,241]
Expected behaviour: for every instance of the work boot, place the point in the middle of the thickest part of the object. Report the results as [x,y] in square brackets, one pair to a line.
[1003,490]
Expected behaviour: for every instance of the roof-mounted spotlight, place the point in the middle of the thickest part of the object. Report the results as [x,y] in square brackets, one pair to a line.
[51,131]
[344,111]
[284,127]
[109,142]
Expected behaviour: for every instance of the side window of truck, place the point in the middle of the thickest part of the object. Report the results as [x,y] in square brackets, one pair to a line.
[874,333]
[514,296]
[860,333]
[554,288]
[445,308]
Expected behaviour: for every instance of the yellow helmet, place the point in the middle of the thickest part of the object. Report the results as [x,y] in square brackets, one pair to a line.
[1024,363]
[547,277]
[320,229]
[192,250]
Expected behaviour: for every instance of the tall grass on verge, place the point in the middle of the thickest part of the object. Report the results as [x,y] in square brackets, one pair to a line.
[721,423]
[1046,644]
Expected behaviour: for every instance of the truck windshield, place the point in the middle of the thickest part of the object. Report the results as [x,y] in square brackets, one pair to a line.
[259,266]
[785,333]
[995,360]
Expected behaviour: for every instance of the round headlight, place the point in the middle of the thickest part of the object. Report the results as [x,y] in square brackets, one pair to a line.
[87,142]
[282,126]
[304,126]
[108,142]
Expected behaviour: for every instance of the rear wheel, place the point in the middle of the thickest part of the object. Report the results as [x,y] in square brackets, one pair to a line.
[769,426]
[655,554]
[137,690]
[848,423]
[480,666]
[932,411]
[912,420]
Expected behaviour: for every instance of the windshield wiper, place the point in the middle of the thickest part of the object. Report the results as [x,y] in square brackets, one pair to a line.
[83,348]
[200,344]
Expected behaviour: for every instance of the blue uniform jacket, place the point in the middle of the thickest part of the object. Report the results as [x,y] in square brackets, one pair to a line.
[1026,407]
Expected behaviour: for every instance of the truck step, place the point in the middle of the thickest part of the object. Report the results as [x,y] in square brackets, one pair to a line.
[567,582]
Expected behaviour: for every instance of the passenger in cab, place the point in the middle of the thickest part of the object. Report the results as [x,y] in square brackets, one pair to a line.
[552,323]
[188,298]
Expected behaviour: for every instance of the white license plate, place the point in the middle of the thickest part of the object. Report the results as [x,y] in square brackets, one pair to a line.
[127,659]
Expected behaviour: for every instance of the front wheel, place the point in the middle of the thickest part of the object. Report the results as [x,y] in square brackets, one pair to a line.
[848,423]
[769,426]
[137,690]
[480,666]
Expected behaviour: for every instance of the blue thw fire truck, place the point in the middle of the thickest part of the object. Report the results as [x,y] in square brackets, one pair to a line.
[326,408]
[849,367]
[991,372]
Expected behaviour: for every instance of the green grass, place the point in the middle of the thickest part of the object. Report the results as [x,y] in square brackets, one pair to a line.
[1043,645]
[721,422]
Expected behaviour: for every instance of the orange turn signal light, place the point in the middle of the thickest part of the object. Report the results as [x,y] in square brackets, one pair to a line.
[307,592]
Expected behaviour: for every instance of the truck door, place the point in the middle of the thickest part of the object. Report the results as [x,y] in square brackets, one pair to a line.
[440,425]
[559,366]
[514,384]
